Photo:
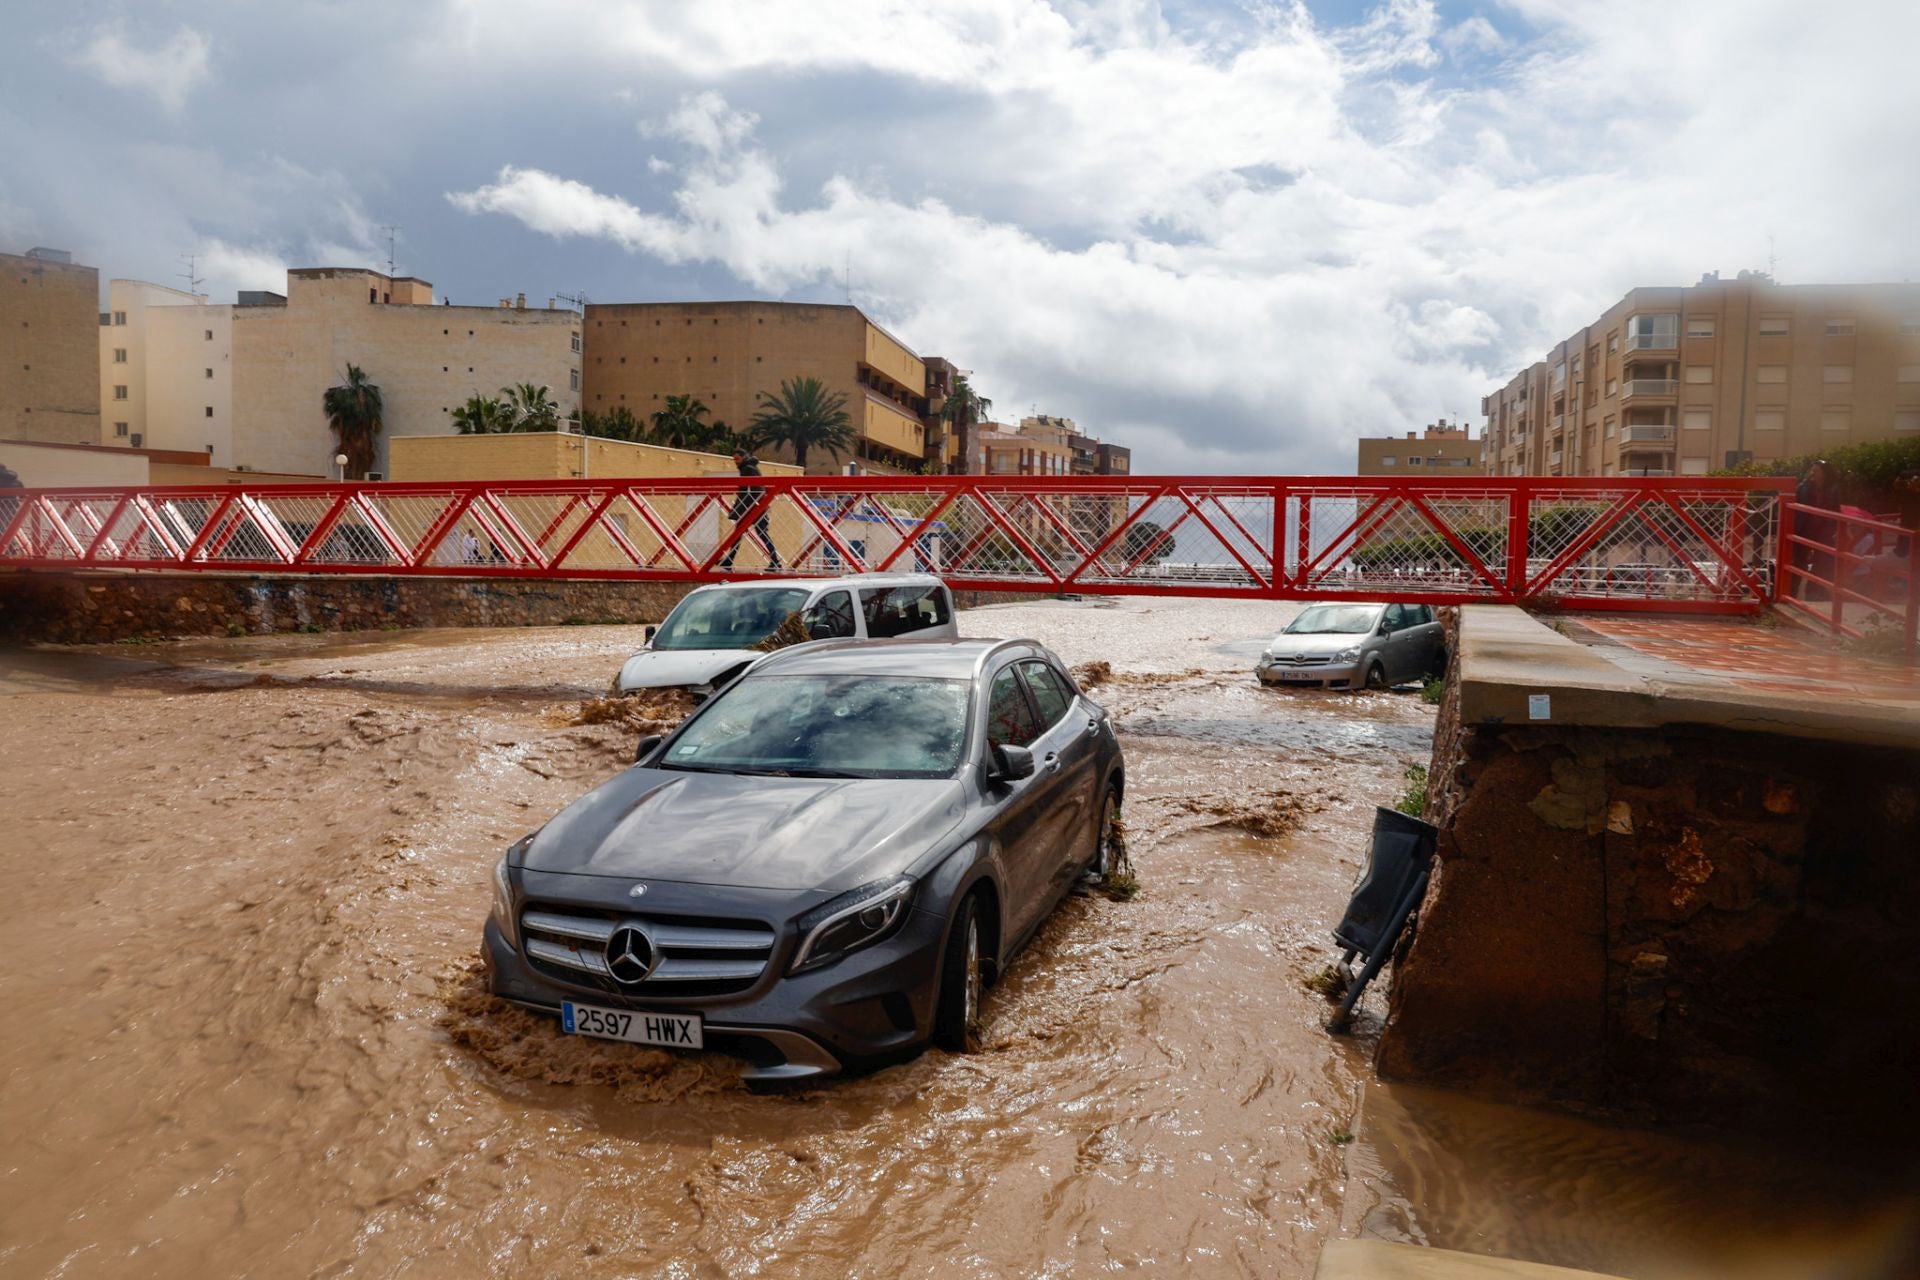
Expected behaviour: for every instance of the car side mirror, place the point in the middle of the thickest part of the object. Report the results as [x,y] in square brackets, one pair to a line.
[649,634]
[820,630]
[646,746]
[1008,763]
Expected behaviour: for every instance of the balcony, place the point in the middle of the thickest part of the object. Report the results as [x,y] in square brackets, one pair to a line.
[1647,471]
[1646,433]
[1644,387]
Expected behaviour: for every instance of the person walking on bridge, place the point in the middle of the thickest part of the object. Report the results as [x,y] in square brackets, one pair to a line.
[743,501]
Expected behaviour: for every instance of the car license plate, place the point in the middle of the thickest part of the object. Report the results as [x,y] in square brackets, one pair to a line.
[1315,676]
[667,1030]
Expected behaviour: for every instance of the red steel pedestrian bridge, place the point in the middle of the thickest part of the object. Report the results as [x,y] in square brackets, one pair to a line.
[1694,545]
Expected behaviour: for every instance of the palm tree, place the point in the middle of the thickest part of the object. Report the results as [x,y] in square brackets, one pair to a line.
[964,410]
[481,416]
[678,425]
[802,417]
[617,423]
[530,408]
[354,413]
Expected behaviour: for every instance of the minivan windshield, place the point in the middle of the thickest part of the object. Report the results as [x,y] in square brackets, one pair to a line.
[735,619]
[1335,619]
[828,726]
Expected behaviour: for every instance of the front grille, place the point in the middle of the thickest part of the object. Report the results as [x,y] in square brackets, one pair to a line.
[1306,660]
[693,955]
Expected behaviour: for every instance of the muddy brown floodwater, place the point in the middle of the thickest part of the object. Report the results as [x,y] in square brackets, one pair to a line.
[242,1030]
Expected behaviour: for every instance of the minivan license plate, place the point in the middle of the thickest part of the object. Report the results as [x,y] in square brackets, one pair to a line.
[668,1030]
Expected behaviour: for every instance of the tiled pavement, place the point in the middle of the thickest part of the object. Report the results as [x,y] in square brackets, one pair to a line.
[1739,654]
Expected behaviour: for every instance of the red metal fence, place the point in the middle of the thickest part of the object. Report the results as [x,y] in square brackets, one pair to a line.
[1685,545]
[1851,574]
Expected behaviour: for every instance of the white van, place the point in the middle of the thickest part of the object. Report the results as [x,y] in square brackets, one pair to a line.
[709,636]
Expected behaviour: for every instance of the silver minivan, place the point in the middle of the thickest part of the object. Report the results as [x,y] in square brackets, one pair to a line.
[1356,645]
[712,634]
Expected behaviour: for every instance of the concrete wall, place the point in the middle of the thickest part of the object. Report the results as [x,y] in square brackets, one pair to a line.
[552,456]
[49,333]
[49,467]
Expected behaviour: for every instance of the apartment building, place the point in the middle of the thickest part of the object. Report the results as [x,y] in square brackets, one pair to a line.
[1682,381]
[728,354]
[1043,445]
[1443,449]
[244,382]
[49,314]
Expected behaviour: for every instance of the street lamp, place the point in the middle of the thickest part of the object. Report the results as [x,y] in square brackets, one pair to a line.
[340,461]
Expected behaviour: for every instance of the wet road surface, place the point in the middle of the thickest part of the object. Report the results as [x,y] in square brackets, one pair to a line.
[242,1032]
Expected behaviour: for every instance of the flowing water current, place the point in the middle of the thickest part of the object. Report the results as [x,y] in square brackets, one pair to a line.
[242,1030]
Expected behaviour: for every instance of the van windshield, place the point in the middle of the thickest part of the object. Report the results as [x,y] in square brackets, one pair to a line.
[737,619]
[1335,620]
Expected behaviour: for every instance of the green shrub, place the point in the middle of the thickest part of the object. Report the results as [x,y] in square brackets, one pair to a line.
[1414,802]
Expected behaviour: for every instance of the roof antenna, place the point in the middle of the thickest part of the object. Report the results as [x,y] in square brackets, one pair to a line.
[572,299]
[193,281]
[391,231]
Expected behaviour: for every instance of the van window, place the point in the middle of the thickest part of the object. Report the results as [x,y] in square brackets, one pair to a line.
[901,611]
[834,612]
[1395,618]
[1010,719]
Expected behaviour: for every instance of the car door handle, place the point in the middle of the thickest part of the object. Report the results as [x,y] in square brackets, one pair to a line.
[1053,762]
[1093,726]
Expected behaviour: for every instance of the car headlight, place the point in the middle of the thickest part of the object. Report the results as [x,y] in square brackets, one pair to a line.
[503,888]
[1349,655]
[858,918]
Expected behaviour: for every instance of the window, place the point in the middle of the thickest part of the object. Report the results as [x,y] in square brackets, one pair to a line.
[209,411]
[1699,373]
[1693,466]
[576,342]
[119,393]
[831,616]
[120,428]
[120,355]
[1836,420]
[1010,718]
[1607,423]
[573,379]
[209,335]
[1701,327]
[1613,385]
[1576,366]
[1837,373]
[1050,693]
[1773,326]
[209,373]
[1773,373]
[119,317]
[1770,420]
[1840,327]
[373,295]
[1905,420]
[1652,332]
[1390,460]
[1613,343]
[899,611]
[1696,419]
[1416,462]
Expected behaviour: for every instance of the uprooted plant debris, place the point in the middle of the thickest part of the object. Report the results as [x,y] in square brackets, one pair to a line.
[1119,883]
[791,631]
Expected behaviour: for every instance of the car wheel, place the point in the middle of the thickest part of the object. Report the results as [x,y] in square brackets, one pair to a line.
[1376,677]
[963,980]
[1103,845]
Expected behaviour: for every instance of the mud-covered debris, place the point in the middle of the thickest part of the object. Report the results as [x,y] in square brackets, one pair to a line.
[649,711]
[1119,883]
[1091,675]
[1265,814]
[791,631]
[527,1046]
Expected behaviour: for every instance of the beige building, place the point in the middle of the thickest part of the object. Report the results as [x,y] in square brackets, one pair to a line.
[1443,449]
[41,464]
[727,354]
[243,383]
[49,377]
[1685,381]
[1043,445]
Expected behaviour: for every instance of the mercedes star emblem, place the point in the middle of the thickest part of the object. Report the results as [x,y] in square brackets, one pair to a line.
[630,955]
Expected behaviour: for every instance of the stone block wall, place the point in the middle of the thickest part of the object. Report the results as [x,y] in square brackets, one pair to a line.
[1682,923]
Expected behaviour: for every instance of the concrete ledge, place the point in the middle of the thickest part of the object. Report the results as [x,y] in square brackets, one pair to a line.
[1508,660]
[1379,1260]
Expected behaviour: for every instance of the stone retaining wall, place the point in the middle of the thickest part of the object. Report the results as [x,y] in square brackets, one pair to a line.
[83,608]
[1675,923]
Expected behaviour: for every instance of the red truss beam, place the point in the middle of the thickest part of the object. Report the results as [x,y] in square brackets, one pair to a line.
[1709,544]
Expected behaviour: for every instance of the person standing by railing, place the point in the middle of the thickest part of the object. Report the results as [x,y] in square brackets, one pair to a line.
[1814,490]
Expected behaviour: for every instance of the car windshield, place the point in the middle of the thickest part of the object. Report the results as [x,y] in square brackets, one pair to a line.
[728,619]
[828,727]
[1335,619]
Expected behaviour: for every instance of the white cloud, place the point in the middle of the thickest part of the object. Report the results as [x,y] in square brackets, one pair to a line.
[169,72]
[242,267]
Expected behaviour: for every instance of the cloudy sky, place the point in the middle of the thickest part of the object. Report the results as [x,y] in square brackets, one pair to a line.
[1233,234]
